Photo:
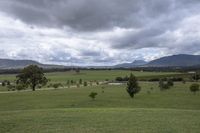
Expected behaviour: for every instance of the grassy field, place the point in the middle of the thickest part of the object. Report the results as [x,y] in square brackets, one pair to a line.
[71,110]
[88,75]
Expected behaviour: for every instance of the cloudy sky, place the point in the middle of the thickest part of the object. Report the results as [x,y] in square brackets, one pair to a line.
[98,32]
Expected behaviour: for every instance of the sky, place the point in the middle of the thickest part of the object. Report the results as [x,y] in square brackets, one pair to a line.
[98,32]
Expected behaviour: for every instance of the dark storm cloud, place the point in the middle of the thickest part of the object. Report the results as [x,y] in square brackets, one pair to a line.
[88,15]
[84,15]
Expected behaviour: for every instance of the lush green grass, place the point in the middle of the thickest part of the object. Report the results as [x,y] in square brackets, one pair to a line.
[90,120]
[71,110]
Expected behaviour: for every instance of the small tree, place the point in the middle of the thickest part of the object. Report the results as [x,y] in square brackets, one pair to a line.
[170,83]
[132,86]
[93,95]
[80,81]
[194,88]
[85,83]
[32,76]
[3,83]
[163,85]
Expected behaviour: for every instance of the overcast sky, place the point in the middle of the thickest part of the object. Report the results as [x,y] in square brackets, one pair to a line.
[98,32]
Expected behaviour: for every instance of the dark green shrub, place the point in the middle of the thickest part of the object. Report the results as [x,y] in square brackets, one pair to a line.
[85,83]
[93,95]
[194,88]
[132,86]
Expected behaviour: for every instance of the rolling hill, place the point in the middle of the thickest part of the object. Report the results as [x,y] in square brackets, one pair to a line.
[17,64]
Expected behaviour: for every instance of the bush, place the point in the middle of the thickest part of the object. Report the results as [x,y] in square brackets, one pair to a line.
[11,88]
[85,83]
[20,87]
[170,82]
[57,85]
[3,84]
[163,85]
[93,95]
[80,81]
[194,88]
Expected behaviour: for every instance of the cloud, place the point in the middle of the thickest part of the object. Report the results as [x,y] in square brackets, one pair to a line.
[98,32]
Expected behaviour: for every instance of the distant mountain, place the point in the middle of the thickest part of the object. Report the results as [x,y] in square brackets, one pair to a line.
[135,63]
[181,60]
[17,64]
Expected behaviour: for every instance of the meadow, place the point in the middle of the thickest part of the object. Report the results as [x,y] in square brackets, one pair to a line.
[71,110]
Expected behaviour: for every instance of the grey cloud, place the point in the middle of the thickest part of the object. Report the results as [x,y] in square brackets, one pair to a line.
[90,53]
[87,15]
[154,23]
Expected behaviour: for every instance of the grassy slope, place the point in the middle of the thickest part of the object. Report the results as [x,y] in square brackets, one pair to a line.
[71,110]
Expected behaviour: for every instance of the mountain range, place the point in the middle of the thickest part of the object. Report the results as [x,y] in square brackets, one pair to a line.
[181,60]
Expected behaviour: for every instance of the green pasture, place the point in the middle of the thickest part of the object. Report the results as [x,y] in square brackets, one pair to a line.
[91,75]
[71,110]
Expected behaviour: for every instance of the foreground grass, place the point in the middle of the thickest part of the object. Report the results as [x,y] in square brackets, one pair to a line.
[104,120]
[71,110]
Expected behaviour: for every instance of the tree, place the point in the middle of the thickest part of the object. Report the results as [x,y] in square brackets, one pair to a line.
[93,95]
[164,86]
[194,88]
[80,81]
[132,86]
[32,76]
[170,83]
[85,83]
[3,83]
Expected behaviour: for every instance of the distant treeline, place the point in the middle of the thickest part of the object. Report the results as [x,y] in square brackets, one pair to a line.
[154,69]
